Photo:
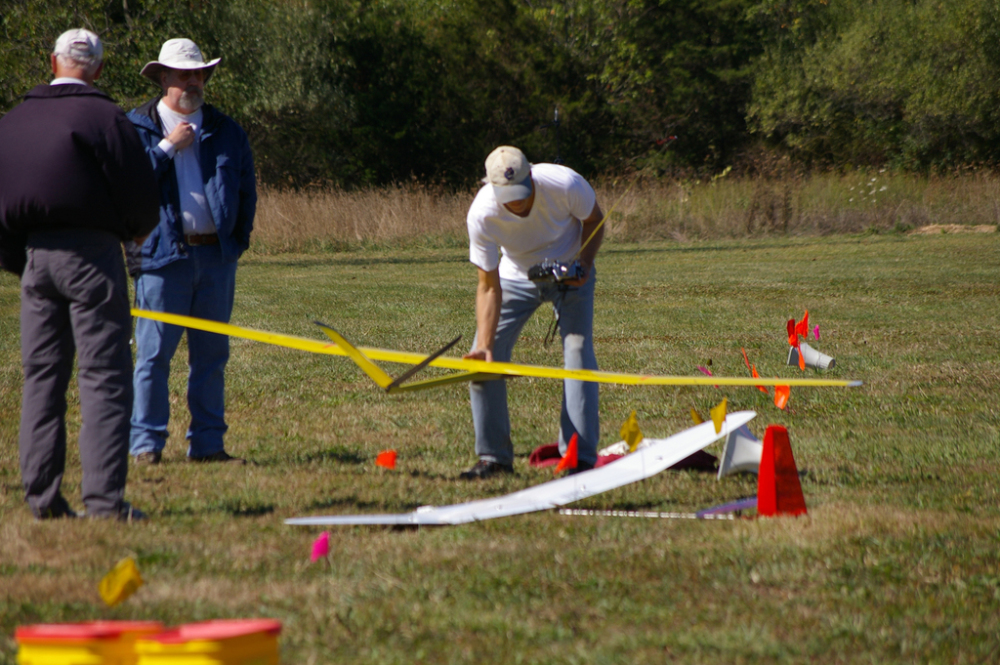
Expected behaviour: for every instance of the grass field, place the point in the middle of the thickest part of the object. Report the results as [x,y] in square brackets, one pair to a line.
[897,562]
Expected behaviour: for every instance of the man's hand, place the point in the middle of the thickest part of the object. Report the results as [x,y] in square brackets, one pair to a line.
[182,136]
[591,227]
[580,281]
[479,354]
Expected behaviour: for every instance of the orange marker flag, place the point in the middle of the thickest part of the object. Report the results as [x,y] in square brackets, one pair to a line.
[387,459]
[781,395]
[719,415]
[793,340]
[757,376]
[569,459]
[753,371]
[696,417]
[631,433]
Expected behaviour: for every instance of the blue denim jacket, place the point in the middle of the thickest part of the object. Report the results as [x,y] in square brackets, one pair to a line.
[230,187]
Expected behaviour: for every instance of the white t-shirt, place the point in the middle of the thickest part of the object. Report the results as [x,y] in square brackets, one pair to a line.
[550,231]
[196,217]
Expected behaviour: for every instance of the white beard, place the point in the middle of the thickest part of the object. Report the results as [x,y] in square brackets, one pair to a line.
[190,101]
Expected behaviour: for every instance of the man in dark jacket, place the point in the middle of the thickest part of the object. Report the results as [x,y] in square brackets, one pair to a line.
[74,183]
[208,198]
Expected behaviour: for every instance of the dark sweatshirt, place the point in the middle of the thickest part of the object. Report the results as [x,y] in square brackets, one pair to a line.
[70,159]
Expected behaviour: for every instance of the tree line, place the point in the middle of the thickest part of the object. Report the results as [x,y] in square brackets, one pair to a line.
[367,92]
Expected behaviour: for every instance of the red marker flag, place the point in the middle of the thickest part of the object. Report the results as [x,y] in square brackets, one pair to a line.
[387,459]
[802,327]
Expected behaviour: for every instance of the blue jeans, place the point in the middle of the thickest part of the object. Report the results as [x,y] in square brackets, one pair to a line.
[580,399]
[201,285]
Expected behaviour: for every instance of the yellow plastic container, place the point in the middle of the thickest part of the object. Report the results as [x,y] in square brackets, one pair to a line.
[223,642]
[91,643]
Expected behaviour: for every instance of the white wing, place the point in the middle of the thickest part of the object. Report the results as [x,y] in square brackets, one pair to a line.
[659,455]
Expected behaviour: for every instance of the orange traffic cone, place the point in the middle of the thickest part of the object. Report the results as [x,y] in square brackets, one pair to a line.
[778,489]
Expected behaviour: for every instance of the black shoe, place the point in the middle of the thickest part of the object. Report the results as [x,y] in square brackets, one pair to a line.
[580,468]
[125,512]
[152,457]
[483,470]
[59,509]
[221,456]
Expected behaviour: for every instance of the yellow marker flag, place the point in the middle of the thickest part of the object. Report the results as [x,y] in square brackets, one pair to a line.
[631,433]
[120,583]
[719,415]
[696,417]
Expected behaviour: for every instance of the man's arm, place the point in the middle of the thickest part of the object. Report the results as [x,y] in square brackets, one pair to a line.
[488,299]
[131,179]
[589,252]
[248,196]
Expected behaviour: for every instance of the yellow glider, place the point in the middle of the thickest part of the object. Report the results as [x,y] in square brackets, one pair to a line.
[470,370]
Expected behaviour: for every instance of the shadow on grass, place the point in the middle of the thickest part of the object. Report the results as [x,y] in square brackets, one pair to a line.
[338,455]
[353,503]
[233,508]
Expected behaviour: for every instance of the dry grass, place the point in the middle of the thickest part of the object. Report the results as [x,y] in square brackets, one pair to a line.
[337,220]
[680,210]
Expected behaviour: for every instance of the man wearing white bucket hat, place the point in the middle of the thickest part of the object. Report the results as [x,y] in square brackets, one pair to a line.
[540,216]
[187,265]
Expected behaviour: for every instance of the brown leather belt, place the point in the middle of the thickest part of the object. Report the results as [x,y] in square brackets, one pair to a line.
[202,239]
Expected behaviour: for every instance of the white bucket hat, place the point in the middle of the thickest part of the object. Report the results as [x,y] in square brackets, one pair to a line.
[509,171]
[179,54]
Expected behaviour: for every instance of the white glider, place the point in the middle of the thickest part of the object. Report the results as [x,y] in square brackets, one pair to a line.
[644,463]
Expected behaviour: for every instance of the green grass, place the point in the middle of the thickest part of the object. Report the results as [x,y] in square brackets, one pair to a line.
[898,560]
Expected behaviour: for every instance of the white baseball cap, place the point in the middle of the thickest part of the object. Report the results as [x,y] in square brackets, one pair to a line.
[79,44]
[509,171]
[179,54]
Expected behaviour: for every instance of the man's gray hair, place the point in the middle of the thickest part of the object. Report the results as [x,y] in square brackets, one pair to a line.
[79,49]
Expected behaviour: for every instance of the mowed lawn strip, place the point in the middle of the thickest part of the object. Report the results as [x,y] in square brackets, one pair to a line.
[898,560]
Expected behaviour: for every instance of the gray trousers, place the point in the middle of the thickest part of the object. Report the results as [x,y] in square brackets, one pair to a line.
[74,297]
[580,407]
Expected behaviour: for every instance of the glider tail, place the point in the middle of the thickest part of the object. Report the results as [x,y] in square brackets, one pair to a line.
[374,372]
[391,385]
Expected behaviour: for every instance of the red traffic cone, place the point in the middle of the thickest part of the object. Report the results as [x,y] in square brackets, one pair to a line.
[778,489]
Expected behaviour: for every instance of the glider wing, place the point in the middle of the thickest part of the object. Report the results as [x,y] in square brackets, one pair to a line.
[644,463]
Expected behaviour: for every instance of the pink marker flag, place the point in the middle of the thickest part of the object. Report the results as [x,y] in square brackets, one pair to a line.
[706,371]
[321,547]
[816,331]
